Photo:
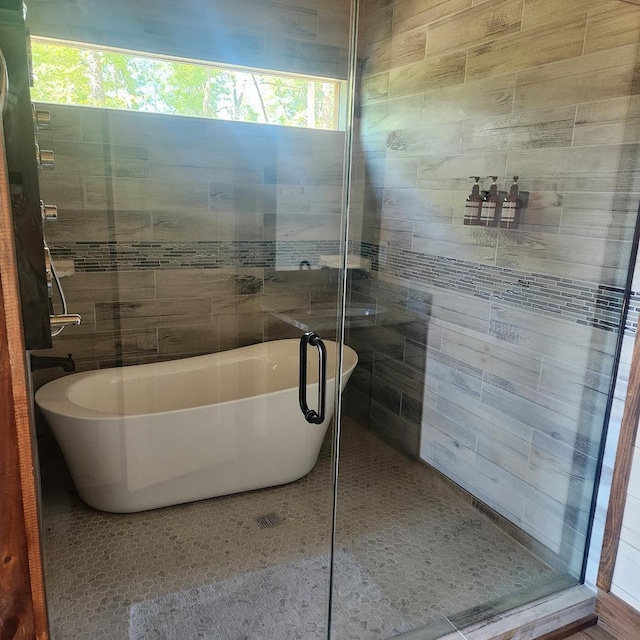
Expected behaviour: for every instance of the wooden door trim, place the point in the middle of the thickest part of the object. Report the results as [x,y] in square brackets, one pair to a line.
[617,617]
[621,473]
[23,614]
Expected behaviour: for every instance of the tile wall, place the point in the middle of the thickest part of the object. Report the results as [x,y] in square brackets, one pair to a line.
[189,235]
[493,348]
[303,36]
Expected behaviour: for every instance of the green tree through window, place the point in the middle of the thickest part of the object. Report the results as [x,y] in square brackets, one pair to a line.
[83,75]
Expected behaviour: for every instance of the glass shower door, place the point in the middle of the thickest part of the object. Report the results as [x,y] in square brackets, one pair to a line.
[200,184]
[471,439]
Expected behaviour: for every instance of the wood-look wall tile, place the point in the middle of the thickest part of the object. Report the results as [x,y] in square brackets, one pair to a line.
[185,341]
[534,409]
[235,306]
[577,168]
[460,310]
[120,25]
[393,233]
[437,140]
[448,455]
[600,215]
[399,50]
[110,286]
[496,487]
[302,35]
[357,405]
[583,387]
[461,435]
[442,368]
[545,14]
[540,521]
[337,6]
[590,259]
[469,100]
[375,5]
[361,379]
[486,353]
[241,332]
[409,324]
[104,344]
[113,160]
[412,409]
[488,421]
[611,27]
[376,25]
[386,342]
[440,71]
[526,49]
[374,88]
[401,434]
[400,113]
[299,56]
[285,226]
[140,194]
[546,473]
[135,128]
[65,121]
[400,172]
[555,337]
[399,375]
[613,121]
[418,204]
[386,394]
[451,172]
[152,314]
[177,226]
[454,241]
[85,225]
[596,76]
[210,282]
[528,130]
[474,26]
[412,14]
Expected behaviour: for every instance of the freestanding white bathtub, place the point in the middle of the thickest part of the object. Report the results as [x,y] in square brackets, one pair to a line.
[153,435]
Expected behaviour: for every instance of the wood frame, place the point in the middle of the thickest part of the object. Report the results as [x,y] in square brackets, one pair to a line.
[617,617]
[621,472]
[23,614]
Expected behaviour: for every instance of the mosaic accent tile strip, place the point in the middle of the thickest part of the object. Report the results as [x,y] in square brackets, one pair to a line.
[583,302]
[586,303]
[633,315]
[134,256]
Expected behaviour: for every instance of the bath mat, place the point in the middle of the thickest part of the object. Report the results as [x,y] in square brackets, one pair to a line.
[280,603]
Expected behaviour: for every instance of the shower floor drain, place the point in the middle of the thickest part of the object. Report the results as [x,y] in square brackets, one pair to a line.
[268,520]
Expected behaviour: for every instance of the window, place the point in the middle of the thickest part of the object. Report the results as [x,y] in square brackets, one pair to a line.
[80,74]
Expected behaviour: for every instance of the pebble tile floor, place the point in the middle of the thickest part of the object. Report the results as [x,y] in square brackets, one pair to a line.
[423,548]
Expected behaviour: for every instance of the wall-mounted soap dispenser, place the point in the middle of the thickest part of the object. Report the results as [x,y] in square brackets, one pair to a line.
[511,207]
[490,205]
[473,205]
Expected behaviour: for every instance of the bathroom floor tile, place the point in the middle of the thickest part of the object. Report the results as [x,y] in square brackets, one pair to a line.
[413,553]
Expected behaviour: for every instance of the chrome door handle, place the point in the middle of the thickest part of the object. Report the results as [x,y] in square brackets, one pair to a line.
[311,416]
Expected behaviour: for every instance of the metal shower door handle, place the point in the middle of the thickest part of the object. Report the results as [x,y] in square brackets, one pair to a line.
[314,417]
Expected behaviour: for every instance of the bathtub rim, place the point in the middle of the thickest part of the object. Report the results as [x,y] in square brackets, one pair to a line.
[53,397]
